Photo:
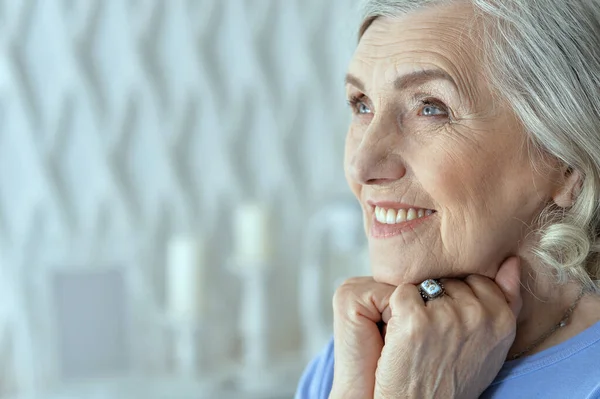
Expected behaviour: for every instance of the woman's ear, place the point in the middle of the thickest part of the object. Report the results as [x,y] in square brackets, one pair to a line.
[567,193]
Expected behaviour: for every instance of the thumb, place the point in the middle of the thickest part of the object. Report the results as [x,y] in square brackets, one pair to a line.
[508,279]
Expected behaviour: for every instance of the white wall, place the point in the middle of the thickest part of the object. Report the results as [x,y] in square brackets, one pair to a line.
[124,123]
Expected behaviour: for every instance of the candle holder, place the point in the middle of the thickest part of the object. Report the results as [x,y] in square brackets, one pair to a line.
[255,374]
[186,311]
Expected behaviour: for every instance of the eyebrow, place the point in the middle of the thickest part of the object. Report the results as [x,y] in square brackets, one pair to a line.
[408,80]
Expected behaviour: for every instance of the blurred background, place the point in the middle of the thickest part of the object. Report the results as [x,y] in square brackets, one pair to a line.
[173,210]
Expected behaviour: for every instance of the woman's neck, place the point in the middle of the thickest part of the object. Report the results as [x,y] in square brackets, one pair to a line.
[544,306]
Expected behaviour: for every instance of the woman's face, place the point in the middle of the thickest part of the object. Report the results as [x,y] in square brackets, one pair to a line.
[441,169]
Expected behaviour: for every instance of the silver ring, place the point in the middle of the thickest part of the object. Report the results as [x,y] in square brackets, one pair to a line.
[431,289]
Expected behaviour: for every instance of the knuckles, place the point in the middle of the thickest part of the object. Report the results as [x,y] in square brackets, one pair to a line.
[477,279]
[355,292]
[344,295]
[476,313]
[470,314]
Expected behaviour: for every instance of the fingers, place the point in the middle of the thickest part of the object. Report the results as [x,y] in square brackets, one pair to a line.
[362,297]
[457,289]
[508,280]
[505,287]
[406,298]
[387,314]
[358,304]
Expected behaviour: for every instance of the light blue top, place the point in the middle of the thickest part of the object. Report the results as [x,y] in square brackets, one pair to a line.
[570,370]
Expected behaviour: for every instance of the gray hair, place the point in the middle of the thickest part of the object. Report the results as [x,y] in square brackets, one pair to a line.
[543,58]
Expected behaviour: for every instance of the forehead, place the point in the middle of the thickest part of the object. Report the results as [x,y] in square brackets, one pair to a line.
[441,37]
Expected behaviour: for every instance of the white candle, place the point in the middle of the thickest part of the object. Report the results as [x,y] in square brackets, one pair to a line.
[185,279]
[252,238]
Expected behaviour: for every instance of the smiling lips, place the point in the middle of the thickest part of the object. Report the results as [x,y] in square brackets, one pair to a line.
[389,222]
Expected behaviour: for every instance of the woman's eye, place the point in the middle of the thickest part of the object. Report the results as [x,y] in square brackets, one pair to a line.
[363,108]
[431,109]
[359,106]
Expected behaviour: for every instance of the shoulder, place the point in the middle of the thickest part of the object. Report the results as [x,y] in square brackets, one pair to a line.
[317,379]
[567,370]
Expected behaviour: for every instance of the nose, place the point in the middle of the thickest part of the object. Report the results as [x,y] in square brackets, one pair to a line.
[376,160]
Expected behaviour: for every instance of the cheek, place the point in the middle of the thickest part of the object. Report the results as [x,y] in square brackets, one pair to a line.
[463,169]
[485,208]
[475,190]
[450,177]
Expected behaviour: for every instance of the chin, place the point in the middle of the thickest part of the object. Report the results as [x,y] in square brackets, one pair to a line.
[396,266]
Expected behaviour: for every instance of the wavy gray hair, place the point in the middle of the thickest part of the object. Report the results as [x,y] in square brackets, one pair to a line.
[543,58]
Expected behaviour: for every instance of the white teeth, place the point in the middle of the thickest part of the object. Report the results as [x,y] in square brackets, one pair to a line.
[411,214]
[401,217]
[391,216]
[394,216]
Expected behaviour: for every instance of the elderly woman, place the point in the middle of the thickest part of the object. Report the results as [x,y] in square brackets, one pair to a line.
[474,151]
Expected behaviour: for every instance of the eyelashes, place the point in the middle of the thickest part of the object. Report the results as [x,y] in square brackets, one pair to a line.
[358,105]
[432,105]
[428,107]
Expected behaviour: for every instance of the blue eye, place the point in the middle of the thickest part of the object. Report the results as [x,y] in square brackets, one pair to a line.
[431,109]
[359,106]
[363,108]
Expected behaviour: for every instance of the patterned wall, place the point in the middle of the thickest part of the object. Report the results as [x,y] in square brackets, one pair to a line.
[124,122]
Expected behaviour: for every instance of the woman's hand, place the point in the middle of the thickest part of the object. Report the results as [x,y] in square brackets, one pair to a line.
[358,305]
[453,346]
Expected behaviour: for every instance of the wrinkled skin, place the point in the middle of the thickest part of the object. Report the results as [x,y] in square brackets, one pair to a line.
[445,144]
